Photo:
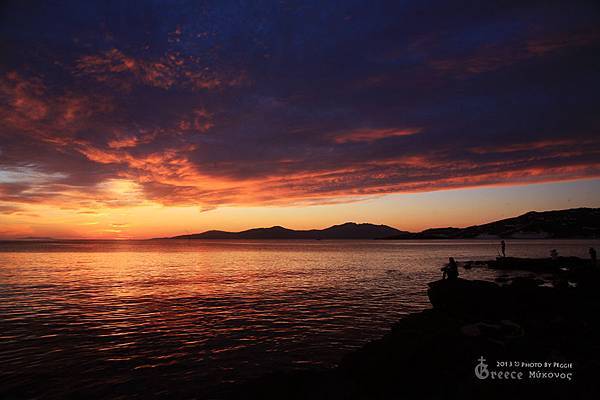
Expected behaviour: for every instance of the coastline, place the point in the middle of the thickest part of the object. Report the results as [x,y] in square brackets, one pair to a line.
[533,341]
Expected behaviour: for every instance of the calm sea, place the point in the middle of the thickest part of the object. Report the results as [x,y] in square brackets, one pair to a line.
[144,319]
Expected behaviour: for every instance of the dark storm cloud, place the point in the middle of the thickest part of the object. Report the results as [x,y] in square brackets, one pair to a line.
[296,102]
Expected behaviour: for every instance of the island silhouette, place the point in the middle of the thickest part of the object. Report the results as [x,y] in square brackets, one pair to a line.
[560,224]
[349,230]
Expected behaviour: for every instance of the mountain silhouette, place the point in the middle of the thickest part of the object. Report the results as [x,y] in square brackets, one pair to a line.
[349,230]
[560,224]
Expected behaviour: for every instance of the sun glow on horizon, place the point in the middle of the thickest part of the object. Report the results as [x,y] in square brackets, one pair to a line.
[125,215]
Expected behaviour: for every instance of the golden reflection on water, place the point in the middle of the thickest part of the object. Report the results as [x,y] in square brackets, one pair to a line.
[182,317]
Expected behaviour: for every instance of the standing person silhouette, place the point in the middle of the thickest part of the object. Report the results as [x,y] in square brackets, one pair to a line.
[503,247]
[593,256]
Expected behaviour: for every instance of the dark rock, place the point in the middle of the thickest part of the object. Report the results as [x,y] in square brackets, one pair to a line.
[432,354]
[462,294]
[539,264]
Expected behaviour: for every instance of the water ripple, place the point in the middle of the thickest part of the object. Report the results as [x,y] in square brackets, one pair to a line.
[178,319]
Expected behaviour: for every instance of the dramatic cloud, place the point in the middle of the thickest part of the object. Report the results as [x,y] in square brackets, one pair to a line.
[112,67]
[291,103]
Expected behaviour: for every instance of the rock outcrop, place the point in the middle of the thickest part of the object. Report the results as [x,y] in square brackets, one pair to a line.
[434,354]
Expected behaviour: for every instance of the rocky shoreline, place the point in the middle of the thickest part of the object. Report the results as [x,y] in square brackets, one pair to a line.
[556,264]
[479,340]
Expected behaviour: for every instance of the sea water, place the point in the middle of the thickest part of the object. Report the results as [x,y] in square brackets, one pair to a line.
[143,319]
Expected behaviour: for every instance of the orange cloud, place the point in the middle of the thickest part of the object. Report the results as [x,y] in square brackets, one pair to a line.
[54,118]
[23,97]
[555,144]
[115,68]
[7,209]
[124,142]
[371,135]
[200,120]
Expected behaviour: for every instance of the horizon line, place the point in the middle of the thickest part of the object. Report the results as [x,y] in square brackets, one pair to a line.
[42,239]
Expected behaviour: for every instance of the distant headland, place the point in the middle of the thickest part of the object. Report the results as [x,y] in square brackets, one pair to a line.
[561,224]
[349,230]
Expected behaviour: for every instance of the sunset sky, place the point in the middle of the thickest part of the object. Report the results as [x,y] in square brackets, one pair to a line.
[155,118]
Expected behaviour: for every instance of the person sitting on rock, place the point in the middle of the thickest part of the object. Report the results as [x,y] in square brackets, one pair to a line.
[450,271]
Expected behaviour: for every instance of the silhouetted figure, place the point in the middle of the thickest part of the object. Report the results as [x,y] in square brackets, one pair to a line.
[503,247]
[593,256]
[554,254]
[450,271]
